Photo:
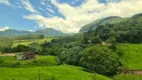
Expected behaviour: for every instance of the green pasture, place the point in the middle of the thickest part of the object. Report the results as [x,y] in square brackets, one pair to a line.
[130,55]
[10,61]
[63,72]
[26,42]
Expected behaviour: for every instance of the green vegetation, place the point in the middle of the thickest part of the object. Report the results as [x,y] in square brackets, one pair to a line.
[10,61]
[5,44]
[63,72]
[26,42]
[132,21]
[73,49]
[130,55]
[100,59]
[127,77]
[84,50]
[95,24]
[29,36]
[112,46]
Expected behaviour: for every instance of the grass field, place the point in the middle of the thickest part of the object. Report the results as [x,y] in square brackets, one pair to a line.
[131,55]
[63,72]
[46,66]
[26,42]
[10,61]
[128,77]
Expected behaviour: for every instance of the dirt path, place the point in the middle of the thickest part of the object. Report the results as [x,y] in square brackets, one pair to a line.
[8,54]
[136,72]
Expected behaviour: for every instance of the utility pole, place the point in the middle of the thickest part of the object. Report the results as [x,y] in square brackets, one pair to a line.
[38,74]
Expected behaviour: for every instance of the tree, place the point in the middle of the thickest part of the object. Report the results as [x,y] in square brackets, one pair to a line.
[100,59]
[5,45]
[96,40]
[112,42]
[21,48]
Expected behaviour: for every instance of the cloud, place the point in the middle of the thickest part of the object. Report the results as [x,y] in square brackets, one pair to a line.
[50,10]
[88,11]
[28,6]
[4,28]
[6,2]
[54,22]
[40,8]
[31,30]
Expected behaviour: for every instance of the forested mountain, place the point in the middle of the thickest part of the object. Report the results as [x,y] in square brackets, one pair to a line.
[96,49]
[108,20]
[93,25]
[13,33]
[48,32]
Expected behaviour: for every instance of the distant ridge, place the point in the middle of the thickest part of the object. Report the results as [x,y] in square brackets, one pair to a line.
[137,15]
[93,25]
[48,32]
[107,20]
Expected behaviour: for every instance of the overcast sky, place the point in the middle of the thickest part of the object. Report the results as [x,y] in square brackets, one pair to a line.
[64,15]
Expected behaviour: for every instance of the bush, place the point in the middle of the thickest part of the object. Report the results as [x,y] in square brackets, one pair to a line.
[16,64]
[21,48]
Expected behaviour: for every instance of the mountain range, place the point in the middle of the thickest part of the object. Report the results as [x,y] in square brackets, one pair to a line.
[48,32]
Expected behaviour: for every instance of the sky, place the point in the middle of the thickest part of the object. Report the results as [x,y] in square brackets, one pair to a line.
[65,15]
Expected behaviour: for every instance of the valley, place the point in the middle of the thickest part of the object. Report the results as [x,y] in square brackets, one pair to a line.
[111,50]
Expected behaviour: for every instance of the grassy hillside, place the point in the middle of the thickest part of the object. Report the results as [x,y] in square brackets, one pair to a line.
[131,55]
[10,61]
[64,72]
[26,42]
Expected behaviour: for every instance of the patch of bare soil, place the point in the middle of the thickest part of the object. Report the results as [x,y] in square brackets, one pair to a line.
[8,54]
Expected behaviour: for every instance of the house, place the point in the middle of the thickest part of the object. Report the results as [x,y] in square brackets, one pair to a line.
[19,56]
[29,55]
[26,56]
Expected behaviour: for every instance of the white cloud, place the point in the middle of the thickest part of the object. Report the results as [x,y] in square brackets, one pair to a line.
[90,10]
[41,8]
[31,30]
[28,6]
[50,10]
[42,2]
[4,28]
[54,22]
[6,2]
